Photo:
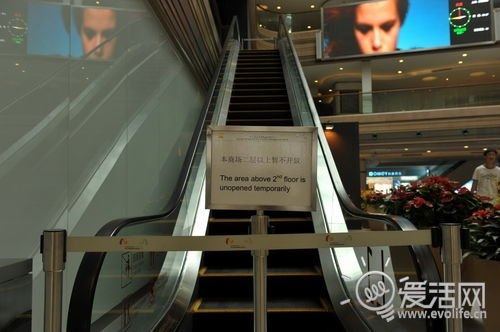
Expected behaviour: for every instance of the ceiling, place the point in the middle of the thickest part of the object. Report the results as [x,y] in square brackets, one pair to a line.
[400,139]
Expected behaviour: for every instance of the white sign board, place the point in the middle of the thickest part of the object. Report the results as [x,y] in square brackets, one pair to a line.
[261,168]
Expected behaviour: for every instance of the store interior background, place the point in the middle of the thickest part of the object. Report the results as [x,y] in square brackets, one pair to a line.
[396,146]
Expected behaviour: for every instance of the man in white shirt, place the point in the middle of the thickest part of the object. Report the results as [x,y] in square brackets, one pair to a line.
[486,177]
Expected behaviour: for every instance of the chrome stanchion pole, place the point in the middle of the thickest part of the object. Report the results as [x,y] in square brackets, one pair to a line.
[451,255]
[259,226]
[53,248]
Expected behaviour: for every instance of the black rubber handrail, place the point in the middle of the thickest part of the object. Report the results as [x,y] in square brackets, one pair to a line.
[83,293]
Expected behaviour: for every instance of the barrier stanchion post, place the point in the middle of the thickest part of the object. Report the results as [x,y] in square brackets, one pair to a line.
[53,249]
[451,255]
[259,226]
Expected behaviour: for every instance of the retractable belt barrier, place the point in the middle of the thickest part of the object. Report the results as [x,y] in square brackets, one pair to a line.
[55,244]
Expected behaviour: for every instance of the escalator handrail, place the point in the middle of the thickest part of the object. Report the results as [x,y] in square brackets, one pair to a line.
[84,287]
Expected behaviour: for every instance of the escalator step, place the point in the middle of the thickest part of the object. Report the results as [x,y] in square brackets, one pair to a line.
[291,304]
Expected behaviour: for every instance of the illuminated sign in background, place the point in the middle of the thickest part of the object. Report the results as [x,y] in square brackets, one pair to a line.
[429,24]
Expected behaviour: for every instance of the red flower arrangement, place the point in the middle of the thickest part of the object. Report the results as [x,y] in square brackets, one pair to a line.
[431,201]
[484,230]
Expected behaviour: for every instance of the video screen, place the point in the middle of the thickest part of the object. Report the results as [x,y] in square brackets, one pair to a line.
[37,27]
[387,26]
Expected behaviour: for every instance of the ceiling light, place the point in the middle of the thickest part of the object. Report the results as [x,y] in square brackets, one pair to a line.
[464,55]
[329,126]
[309,27]
[466,146]
[278,7]
[312,6]
[477,74]
[316,81]
[460,62]
[429,78]
[401,60]
[341,68]
[400,71]
[406,149]
[428,151]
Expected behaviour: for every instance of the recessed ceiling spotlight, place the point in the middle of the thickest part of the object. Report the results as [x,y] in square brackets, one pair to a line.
[316,81]
[429,78]
[428,151]
[278,7]
[477,74]
[460,62]
[464,55]
[341,68]
[466,146]
[309,27]
[406,149]
[312,6]
[401,60]
[400,71]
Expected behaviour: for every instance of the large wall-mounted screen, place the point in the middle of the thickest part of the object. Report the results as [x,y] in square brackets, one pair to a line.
[36,27]
[387,26]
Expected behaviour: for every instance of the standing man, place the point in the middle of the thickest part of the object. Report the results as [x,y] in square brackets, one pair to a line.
[486,177]
[377,25]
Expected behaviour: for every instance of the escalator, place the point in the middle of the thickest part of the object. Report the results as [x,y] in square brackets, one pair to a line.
[296,292]
[194,291]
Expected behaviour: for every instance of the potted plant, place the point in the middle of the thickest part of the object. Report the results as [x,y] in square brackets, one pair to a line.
[481,262]
[484,231]
[431,201]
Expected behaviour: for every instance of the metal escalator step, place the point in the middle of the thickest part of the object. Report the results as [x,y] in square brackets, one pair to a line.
[259,92]
[260,122]
[214,305]
[298,219]
[240,99]
[271,272]
[260,106]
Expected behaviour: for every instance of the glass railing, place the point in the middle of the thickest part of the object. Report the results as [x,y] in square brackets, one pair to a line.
[350,271]
[140,291]
[397,100]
